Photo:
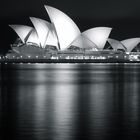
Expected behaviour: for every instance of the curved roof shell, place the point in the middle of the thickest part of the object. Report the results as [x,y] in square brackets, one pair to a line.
[22,31]
[42,28]
[65,27]
[115,44]
[131,43]
[98,35]
[33,38]
[52,37]
[84,43]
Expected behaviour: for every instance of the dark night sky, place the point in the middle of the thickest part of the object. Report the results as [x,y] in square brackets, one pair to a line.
[122,15]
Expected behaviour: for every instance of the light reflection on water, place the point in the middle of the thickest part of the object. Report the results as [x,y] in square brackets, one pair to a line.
[70,102]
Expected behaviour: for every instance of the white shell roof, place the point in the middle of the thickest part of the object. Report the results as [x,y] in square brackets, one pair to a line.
[42,28]
[131,43]
[83,42]
[33,38]
[22,31]
[98,35]
[115,44]
[65,27]
[52,39]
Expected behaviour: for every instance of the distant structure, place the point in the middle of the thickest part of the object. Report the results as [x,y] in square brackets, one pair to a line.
[62,39]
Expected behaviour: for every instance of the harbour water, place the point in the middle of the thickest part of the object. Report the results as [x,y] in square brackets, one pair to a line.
[70,102]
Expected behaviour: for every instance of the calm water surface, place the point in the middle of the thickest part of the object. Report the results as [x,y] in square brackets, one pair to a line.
[70,102]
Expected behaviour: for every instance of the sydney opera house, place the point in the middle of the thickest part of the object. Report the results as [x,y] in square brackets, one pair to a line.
[62,39]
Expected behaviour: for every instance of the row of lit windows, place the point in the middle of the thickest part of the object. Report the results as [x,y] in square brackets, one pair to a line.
[75,57]
[22,57]
[80,57]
